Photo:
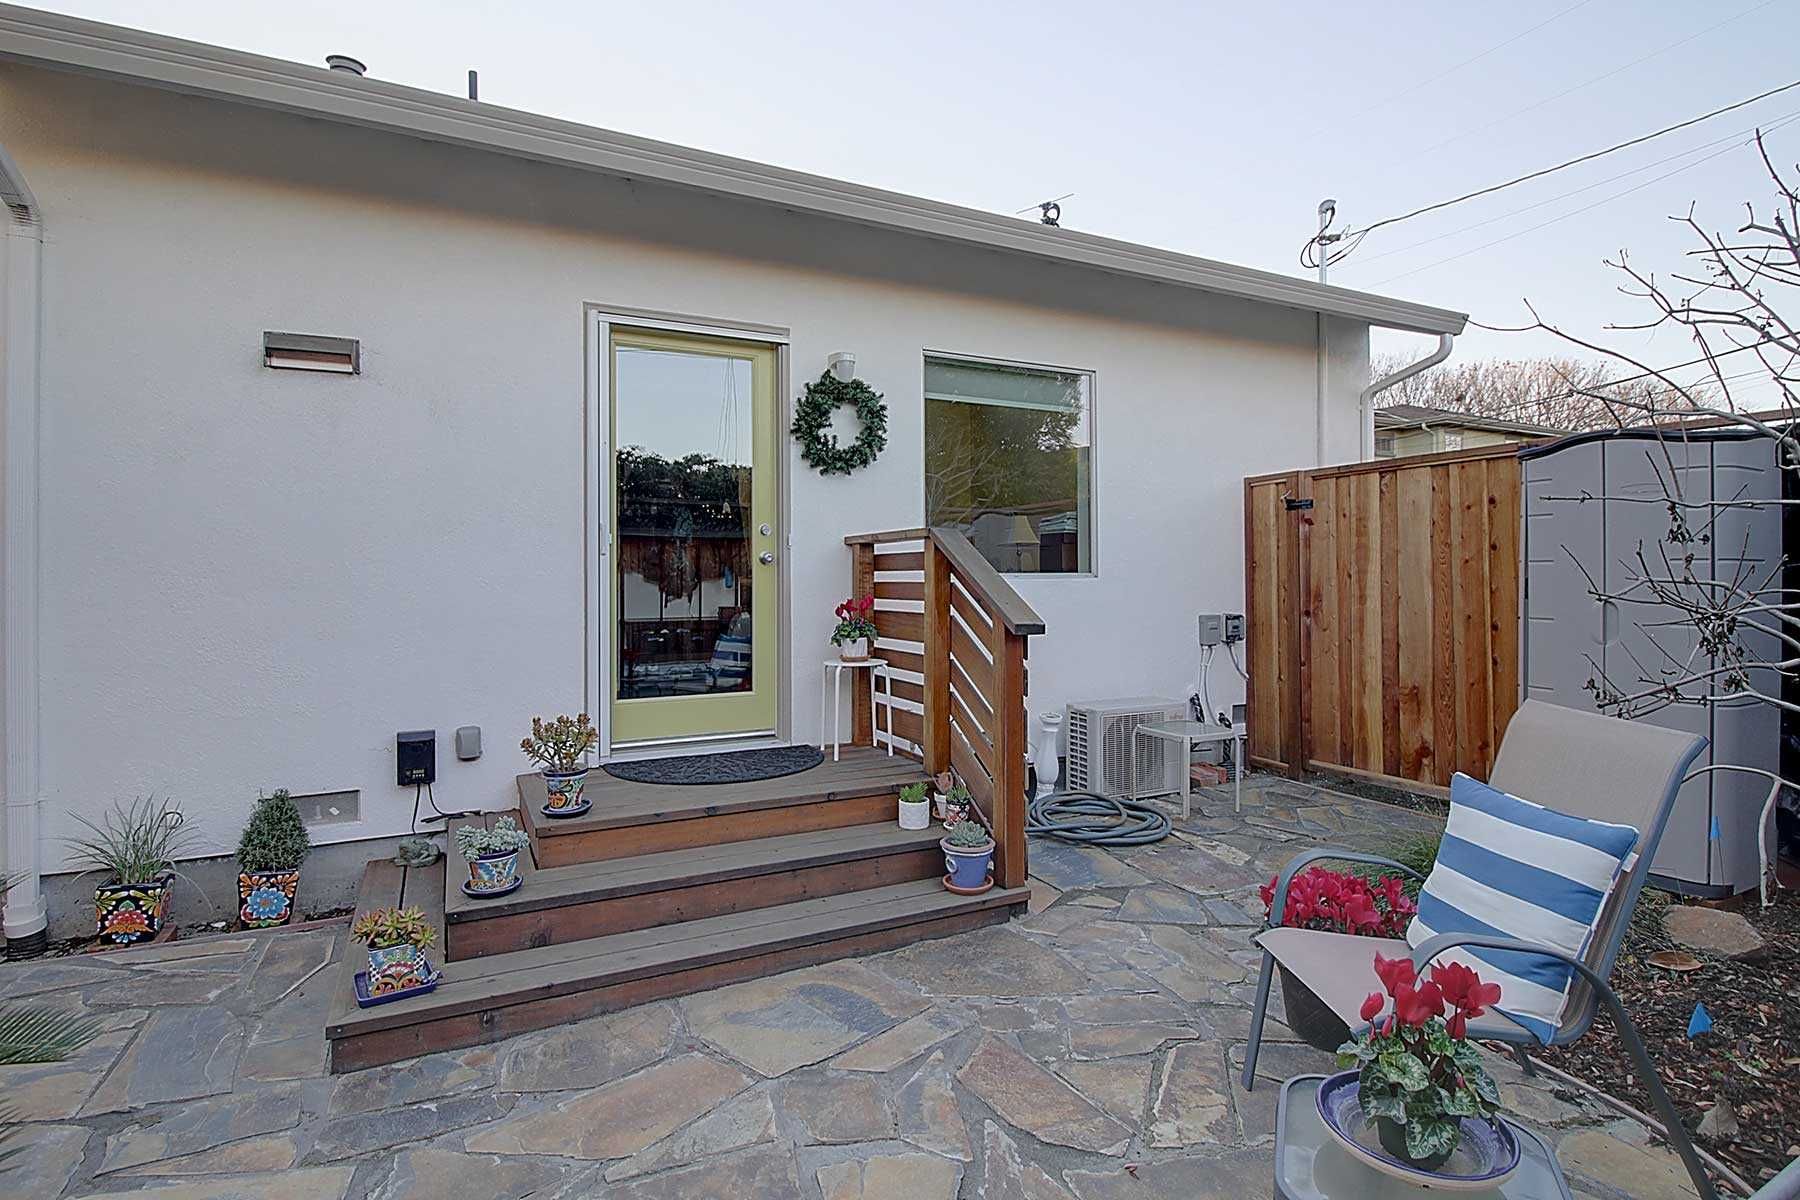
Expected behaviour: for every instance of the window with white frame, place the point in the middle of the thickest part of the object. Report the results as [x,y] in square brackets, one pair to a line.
[1008,460]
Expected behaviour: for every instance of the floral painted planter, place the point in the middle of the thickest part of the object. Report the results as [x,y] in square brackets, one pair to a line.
[493,873]
[395,968]
[128,913]
[563,792]
[266,898]
[854,650]
[968,867]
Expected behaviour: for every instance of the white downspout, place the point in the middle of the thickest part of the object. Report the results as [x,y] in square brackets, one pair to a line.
[1365,408]
[21,347]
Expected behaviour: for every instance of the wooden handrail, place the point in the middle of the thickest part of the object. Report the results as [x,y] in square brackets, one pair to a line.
[973,635]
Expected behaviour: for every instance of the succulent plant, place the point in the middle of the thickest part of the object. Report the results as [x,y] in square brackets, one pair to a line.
[560,744]
[912,793]
[472,841]
[968,835]
[383,927]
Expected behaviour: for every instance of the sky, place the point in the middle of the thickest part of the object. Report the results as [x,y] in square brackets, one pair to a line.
[1210,129]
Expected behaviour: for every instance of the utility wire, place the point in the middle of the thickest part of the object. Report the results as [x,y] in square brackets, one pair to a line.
[1586,187]
[1355,236]
[1636,62]
[1604,200]
[1449,71]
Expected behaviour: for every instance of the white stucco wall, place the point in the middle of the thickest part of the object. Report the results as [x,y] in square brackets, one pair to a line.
[253,578]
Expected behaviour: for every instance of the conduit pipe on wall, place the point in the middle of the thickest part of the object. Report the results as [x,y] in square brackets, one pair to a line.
[1365,409]
[21,342]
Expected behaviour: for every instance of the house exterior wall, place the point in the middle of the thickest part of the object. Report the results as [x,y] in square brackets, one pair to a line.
[251,578]
[1440,438]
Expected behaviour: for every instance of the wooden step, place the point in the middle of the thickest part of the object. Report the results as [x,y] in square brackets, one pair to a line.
[486,999]
[629,819]
[566,904]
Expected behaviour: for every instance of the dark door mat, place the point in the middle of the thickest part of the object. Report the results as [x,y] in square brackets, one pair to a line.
[734,766]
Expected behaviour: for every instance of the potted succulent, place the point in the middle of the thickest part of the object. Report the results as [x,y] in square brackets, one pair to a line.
[942,784]
[855,631]
[492,855]
[397,939]
[135,845]
[915,807]
[1417,1077]
[968,853]
[959,806]
[558,747]
[1337,901]
[269,854]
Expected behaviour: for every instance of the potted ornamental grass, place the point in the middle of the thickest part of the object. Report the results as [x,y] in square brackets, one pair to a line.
[397,939]
[1338,902]
[135,846]
[559,747]
[272,847]
[915,807]
[1417,1078]
[855,631]
[968,856]
[492,855]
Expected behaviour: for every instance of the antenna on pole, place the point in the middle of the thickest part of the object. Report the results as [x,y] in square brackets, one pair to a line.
[1049,211]
[1323,240]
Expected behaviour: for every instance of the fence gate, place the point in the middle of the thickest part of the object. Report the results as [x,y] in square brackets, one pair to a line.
[1383,612]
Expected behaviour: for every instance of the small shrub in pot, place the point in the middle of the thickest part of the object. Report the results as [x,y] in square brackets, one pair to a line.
[492,855]
[135,845]
[915,807]
[273,845]
[560,747]
[855,631]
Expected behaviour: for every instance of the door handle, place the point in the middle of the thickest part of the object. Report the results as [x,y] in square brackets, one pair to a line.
[766,557]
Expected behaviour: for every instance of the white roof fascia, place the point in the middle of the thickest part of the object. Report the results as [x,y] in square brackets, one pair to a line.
[114,52]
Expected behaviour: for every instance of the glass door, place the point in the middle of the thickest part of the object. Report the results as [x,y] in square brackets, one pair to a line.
[694,549]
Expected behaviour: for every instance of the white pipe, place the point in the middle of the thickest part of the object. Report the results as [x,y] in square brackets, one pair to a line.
[1365,409]
[21,347]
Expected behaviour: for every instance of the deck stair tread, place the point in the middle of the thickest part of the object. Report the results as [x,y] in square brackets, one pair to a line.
[499,980]
[552,887]
[619,803]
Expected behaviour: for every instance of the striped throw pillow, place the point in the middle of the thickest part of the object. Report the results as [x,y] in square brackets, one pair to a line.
[1515,869]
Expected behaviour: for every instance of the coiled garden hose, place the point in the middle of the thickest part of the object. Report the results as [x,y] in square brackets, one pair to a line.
[1090,820]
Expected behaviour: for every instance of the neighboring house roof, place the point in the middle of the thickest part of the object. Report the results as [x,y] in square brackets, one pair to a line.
[1417,416]
[113,52]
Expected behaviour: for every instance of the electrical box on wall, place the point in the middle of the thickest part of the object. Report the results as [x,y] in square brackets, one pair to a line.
[1212,629]
[1234,627]
[415,757]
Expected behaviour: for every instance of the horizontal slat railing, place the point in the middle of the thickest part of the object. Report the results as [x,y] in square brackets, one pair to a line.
[956,638]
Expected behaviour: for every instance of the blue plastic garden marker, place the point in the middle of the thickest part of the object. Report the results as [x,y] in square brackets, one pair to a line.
[1700,1022]
[1713,833]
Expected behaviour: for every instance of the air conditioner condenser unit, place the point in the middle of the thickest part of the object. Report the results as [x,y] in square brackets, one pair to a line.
[1102,745]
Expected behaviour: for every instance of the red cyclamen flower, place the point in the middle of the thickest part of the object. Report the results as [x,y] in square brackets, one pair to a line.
[1372,1005]
[1416,1006]
[1395,973]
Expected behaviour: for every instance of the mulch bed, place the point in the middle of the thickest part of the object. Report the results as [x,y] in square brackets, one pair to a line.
[1752,1057]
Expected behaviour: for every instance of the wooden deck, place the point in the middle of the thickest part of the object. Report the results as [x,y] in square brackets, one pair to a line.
[661,891]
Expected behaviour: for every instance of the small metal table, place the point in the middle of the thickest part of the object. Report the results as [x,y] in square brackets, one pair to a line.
[1310,1165]
[1188,734]
[834,679]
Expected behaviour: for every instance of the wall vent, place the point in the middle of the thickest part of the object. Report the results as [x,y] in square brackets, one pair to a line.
[330,808]
[311,352]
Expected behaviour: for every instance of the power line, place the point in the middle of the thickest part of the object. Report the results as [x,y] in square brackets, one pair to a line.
[1449,71]
[1604,200]
[1355,236]
[1586,187]
[1636,62]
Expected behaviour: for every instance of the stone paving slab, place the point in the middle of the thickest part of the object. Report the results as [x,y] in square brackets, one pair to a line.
[1088,1051]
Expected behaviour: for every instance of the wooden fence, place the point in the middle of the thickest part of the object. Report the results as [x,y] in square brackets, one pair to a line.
[960,676]
[1383,611]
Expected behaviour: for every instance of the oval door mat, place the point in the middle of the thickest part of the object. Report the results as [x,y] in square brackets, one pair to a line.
[730,766]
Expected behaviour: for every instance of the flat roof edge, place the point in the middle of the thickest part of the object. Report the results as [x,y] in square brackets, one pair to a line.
[110,51]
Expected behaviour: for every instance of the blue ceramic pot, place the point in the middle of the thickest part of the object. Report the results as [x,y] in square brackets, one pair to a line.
[967,865]
[494,872]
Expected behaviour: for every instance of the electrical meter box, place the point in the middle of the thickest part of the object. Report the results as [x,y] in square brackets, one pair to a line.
[1212,629]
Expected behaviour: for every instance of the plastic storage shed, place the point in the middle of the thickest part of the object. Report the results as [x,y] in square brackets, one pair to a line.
[1590,501]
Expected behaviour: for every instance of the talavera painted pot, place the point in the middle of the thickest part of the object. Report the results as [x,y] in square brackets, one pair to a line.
[266,898]
[563,792]
[128,913]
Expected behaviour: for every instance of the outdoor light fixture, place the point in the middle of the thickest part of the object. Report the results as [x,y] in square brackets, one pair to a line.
[309,352]
[843,366]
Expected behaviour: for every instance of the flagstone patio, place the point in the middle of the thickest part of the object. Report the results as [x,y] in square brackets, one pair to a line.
[1087,1052]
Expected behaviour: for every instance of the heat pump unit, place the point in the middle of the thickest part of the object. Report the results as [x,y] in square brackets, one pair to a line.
[1101,746]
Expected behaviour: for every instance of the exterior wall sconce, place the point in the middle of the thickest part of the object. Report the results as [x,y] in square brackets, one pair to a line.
[843,366]
[310,352]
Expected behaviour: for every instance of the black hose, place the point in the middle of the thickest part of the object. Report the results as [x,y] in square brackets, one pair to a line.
[1090,820]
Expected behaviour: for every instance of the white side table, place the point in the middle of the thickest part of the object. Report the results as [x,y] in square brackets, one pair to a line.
[834,675]
[1187,735]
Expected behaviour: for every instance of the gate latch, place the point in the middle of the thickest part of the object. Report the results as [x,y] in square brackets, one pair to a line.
[1295,504]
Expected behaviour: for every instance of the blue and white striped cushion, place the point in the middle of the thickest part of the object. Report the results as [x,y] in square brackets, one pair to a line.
[1515,869]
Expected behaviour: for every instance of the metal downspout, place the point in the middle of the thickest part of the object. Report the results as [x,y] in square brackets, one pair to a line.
[1365,408]
[21,348]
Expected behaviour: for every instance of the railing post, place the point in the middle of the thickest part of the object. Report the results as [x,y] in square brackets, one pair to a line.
[1009,761]
[937,658]
[862,583]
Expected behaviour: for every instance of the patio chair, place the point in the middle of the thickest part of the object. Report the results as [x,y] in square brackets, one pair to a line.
[1578,763]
